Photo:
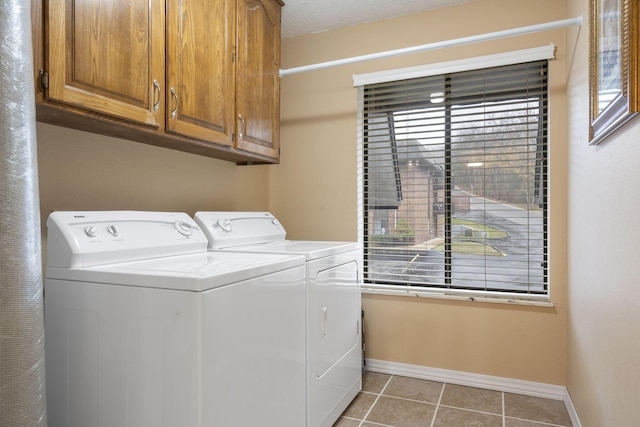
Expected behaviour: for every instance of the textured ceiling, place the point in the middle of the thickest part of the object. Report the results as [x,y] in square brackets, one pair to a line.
[301,17]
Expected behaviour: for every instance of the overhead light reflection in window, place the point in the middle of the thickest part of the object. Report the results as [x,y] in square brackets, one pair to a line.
[436,97]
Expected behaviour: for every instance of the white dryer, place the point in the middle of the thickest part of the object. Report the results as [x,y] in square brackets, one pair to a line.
[145,328]
[334,346]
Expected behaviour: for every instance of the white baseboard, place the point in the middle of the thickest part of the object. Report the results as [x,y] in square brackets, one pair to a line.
[509,385]
[575,420]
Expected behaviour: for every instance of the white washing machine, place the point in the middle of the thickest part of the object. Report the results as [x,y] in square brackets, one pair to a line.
[334,350]
[145,328]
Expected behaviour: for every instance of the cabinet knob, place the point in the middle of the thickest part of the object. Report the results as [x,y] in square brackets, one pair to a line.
[175,109]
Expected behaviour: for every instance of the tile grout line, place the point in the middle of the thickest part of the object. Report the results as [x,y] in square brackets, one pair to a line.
[439,405]
[375,401]
[504,418]
[542,423]
[477,411]
[435,413]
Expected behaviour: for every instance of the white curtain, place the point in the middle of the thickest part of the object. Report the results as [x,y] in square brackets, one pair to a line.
[22,371]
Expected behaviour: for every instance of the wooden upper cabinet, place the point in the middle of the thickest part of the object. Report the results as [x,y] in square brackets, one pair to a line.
[107,56]
[258,76]
[200,70]
[200,76]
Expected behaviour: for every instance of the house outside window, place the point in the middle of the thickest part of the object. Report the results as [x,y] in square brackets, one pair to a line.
[454,182]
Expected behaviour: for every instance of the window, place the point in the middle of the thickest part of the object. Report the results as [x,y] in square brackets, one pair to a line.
[454,182]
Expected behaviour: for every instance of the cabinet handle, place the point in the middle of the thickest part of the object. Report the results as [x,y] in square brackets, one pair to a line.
[156,93]
[243,127]
[173,112]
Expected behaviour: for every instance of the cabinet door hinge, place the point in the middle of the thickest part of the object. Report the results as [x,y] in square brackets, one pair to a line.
[43,78]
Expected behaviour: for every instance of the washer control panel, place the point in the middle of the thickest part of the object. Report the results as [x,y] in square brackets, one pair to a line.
[81,239]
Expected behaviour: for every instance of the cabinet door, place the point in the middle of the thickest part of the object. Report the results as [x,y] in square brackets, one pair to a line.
[200,77]
[107,56]
[258,76]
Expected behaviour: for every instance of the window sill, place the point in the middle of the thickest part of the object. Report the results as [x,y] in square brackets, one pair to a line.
[367,289]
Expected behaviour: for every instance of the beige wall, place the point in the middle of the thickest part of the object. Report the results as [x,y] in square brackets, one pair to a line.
[604,272]
[313,190]
[83,171]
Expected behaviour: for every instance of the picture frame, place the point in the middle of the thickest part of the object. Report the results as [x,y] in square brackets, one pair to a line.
[613,66]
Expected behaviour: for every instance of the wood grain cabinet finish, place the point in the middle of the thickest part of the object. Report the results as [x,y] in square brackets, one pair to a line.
[200,76]
[258,76]
[200,70]
[104,55]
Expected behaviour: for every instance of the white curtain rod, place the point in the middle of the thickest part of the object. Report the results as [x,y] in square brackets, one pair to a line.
[437,45]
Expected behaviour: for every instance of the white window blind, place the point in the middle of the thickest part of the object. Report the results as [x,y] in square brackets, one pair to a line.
[454,182]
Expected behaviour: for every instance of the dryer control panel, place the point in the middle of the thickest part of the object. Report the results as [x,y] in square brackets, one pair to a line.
[234,229]
[84,239]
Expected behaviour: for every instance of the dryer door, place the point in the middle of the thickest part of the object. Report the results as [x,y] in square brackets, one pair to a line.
[334,307]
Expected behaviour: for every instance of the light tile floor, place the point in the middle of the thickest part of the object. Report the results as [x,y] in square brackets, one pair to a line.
[394,401]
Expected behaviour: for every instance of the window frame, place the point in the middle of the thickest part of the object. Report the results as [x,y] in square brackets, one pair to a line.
[503,296]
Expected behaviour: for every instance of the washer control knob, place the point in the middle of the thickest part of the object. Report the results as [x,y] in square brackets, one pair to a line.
[183,228]
[113,230]
[91,230]
[225,224]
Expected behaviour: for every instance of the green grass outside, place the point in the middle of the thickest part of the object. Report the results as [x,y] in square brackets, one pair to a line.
[470,248]
[463,245]
[491,233]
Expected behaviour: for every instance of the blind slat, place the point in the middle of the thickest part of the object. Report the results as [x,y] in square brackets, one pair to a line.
[454,180]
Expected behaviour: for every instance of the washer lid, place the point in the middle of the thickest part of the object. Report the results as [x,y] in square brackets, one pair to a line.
[194,272]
